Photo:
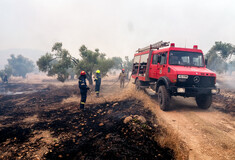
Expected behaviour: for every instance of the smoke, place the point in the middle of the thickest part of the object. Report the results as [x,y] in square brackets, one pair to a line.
[117,28]
[226,81]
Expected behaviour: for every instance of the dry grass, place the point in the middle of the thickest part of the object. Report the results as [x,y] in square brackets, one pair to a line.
[168,137]
[32,78]
[40,78]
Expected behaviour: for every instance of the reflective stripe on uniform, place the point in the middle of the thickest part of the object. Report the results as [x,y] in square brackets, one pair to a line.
[82,102]
[96,91]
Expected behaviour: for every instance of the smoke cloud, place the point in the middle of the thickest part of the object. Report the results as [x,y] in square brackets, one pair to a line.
[117,28]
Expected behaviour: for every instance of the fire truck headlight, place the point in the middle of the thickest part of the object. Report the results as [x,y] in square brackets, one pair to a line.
[181,90]
[214,91]
[182,76]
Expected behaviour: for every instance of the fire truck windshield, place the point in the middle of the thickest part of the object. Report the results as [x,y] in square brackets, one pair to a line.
[183,58]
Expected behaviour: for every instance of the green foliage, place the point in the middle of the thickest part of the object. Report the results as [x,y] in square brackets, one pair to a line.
[72,71]
[218,56]
[19,66]
[57,47]
[127,65]
[62,64]
[44,62]
[118,63]
[231,67]
[91,61]
[104,65]
[8,70]
[225,50]
[58,63]
[215,62]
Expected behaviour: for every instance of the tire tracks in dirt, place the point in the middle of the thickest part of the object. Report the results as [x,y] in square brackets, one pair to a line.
[209,134]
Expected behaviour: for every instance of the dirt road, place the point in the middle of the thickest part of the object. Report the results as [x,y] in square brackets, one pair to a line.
[209,134]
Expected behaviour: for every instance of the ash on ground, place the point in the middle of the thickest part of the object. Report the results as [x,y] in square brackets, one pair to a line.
[39,126]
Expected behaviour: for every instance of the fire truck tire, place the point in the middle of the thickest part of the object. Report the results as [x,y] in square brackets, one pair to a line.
[163,98]
[137,84]
[204,101]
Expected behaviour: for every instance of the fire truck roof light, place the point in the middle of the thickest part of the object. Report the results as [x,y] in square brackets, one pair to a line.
[172,44]
[195,47]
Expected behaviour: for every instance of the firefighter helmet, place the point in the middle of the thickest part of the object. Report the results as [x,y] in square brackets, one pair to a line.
[83,73]
[97,71]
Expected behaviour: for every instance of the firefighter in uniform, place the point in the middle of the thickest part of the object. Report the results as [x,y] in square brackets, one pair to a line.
[97,83]
[122,78]
[83,88]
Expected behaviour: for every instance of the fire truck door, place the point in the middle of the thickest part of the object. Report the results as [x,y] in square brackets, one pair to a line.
[162,66]
[153,66]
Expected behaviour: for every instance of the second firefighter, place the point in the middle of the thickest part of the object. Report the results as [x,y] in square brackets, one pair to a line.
[97,83]
[122,78]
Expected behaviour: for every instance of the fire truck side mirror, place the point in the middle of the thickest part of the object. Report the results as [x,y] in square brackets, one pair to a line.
[206,60]
[159,59]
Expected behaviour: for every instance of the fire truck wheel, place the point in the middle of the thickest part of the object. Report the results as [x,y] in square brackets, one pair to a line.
[163,98]
[204,101]
[137,84]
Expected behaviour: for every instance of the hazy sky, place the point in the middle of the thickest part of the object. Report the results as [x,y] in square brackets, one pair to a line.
[117,27]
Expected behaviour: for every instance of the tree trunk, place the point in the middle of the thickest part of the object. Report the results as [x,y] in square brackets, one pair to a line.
[89,78]
[72,76]
[127,74]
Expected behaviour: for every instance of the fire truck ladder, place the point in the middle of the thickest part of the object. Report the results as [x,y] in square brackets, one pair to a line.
[151,47]
[157,45]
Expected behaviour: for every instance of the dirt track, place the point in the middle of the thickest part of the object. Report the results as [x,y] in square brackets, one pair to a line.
[209,134]
[206,134]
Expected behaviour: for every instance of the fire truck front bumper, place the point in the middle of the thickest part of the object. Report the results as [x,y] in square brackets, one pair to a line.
[193,91]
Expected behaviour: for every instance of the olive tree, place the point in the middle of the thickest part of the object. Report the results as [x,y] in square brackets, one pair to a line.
[118,63]
[219,56]
[56,63]
[91,61]
[19,66]
[127,65]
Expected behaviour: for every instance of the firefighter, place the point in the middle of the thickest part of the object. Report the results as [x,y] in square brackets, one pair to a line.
[97,83]
[5,79]
[83,89]
[122,78]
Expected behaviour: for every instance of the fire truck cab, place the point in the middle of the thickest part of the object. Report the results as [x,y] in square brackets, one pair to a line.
[173,71]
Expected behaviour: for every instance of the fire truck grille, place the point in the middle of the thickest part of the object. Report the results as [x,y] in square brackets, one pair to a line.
[197,81]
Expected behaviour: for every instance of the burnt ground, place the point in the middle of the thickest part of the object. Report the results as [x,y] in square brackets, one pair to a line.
[226,102]
[37,125]
[225,99]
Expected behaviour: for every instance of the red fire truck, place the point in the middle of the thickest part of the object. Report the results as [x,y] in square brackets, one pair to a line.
[173,71]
